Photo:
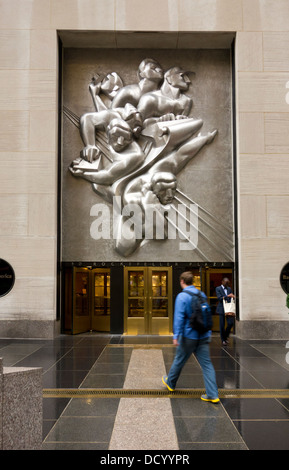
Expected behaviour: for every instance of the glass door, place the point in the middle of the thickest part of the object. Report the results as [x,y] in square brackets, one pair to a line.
[81,301]
[160,301]
[148,301]
[213,279]
[91,300]
[135,307]
[100,320]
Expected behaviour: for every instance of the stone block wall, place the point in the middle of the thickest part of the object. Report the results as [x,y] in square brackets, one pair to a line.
[28,137]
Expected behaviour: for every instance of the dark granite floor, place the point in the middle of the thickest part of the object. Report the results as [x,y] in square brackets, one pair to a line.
[91,361]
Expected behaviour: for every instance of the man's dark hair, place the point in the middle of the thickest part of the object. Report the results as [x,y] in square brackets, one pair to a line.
[187,277]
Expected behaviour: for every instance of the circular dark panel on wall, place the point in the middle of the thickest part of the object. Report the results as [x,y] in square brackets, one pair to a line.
[284,278]
[7,277]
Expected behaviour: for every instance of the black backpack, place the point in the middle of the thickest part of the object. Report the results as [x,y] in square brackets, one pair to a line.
[201,318]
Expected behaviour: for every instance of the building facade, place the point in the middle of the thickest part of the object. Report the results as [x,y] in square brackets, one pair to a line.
[71,274]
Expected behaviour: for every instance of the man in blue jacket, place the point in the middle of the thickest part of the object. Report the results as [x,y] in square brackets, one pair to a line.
[224,292]
[190,341]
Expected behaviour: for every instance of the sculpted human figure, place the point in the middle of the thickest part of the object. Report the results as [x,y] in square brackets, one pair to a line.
[109,86]
[147,137]
[157,187]
[150,75]
[91,122]
[172,105]
[150,192]
[169,102]
[125,154]
[151,188]
[119,137]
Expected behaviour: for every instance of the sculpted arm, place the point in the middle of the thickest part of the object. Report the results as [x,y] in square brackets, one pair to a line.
[129,94]
[187,108]
[133,193]
[91,121]
[148,106]
[131,159]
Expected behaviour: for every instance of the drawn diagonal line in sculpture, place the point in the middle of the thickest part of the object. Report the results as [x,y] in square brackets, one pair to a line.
[186,238]
[202,234]
[204,210]
[224,237]
[71,116]
[100,138]
[70,113]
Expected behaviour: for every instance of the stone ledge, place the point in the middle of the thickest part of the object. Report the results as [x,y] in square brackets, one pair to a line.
[36,329]
[20,408]
[260,329]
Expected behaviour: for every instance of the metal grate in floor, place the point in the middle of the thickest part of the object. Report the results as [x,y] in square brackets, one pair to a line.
[182,393]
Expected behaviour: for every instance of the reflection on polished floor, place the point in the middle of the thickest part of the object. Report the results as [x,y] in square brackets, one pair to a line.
[114,362]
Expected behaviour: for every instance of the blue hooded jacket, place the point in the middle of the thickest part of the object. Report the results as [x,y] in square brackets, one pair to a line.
[182,315]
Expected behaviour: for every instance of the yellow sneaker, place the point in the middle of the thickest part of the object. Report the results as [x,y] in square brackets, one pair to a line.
[164,381]
[212,400]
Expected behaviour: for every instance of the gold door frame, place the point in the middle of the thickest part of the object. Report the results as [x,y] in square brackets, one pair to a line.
[103,324]
[81,324]
[148,324]
[134,325]
[160,325]
[212,298]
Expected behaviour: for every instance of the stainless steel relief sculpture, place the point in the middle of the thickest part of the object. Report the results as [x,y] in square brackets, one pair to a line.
[135,144]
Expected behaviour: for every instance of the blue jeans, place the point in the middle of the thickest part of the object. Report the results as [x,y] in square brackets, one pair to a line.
[230,323]
[201,349]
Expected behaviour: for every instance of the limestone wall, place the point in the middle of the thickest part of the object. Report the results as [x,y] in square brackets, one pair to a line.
[28,136]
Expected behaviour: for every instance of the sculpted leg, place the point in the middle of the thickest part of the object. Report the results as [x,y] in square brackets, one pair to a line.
[176,161]
[125,242]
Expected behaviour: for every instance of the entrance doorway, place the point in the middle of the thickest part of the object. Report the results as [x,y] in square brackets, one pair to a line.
[147,301]
[90,300]
[132,300]
[212,278]
[207,279]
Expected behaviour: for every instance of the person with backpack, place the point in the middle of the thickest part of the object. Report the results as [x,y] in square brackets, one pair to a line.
[192,334]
